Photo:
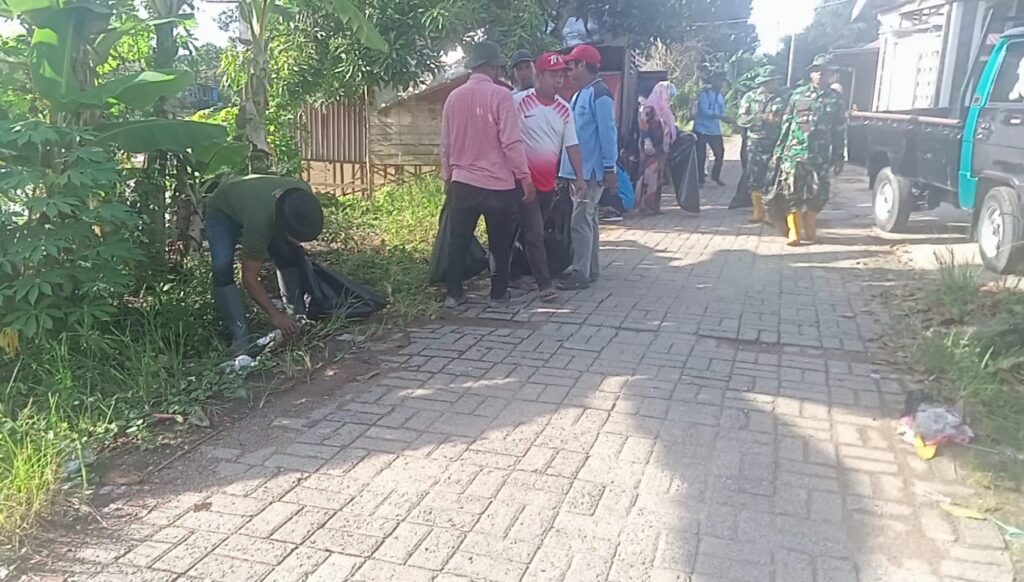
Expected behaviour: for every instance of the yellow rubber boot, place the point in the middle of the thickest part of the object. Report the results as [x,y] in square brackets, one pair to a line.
[758,200]
[810,230]
[793,229]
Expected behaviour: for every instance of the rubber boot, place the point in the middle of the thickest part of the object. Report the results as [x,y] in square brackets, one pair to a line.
[758,201]
[793,229]
[228,300]
[810,230]
[292,290]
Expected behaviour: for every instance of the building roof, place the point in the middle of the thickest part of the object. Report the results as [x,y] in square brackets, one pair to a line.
[446,80]
[871,47]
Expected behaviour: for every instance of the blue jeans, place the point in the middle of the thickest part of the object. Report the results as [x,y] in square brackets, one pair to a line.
[223,234]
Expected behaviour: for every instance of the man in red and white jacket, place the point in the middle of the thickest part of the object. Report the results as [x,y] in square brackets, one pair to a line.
[547,127]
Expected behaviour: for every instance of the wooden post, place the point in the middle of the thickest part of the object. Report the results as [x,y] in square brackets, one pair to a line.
[366,134]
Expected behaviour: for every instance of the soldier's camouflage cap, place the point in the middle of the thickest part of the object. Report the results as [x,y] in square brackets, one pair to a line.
[822,61]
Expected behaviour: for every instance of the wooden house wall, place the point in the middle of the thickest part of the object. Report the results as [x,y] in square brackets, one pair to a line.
[408,133]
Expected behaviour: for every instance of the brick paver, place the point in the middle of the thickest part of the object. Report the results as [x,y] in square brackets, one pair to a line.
[709,411]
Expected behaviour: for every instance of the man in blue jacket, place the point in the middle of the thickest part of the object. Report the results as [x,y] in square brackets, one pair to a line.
[708,127]
[593,110]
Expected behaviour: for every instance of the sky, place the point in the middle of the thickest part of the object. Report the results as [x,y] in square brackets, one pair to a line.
[777,19]
[774,20]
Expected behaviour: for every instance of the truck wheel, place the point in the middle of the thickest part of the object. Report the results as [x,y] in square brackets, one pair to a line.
[1001,231]
[893,201]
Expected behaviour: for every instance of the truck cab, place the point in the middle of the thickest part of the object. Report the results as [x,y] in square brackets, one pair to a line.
[970,156]
[991,177]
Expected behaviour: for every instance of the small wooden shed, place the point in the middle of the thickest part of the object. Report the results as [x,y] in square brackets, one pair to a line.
[350,148]
[407,129]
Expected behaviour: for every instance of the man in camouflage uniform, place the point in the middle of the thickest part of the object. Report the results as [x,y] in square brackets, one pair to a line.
[813,143]
[760,114]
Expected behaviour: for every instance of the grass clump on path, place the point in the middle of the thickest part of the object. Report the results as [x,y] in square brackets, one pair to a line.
[67,394]
[975,349]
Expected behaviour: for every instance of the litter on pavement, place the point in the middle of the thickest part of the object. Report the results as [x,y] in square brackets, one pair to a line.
[927,424]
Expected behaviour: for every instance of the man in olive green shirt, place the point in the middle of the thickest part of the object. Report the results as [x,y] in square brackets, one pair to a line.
[269,215]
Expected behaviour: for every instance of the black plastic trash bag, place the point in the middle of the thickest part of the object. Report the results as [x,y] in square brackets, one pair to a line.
[682,167]
[329,293]
[332,294]
[558,233]
[742,198]
[557,238]
[476,259]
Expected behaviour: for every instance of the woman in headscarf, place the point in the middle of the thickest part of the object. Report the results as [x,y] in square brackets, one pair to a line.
[657,131]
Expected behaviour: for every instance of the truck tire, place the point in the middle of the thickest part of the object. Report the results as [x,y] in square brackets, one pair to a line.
[893,201]
[1001,231]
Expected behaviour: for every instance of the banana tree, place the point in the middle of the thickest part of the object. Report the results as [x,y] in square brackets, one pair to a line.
[258,18]
[69,39]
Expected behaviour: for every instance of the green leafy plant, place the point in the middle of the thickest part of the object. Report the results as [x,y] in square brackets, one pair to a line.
[66,257]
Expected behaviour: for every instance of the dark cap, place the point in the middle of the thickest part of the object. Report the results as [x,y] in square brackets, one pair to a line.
[300,214]
[484,52]
[520,56]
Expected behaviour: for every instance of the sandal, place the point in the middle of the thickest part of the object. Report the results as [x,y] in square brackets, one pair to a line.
[549,295]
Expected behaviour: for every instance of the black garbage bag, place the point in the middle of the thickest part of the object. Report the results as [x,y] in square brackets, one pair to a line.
[329,293]
[476,260]
[682,167]
[742,197]
[332,294]
[558,233]
[557,238]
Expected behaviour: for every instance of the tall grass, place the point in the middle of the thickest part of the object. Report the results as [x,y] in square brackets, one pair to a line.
[385,241]
[977,355]
[32,447]
[956,286]
[86,387]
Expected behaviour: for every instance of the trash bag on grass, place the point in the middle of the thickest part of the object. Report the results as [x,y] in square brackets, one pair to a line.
[331,293]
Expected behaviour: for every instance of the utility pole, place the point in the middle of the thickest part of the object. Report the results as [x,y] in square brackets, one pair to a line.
[792,59]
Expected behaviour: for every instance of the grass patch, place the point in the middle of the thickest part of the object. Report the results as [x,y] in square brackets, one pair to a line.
[967,338]
[385,242]
[955,289]
[975,352]
[88,388]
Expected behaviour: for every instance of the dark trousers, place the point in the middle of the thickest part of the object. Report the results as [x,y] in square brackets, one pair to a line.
[704,141]
[532,216]
[223,234]
[468,203]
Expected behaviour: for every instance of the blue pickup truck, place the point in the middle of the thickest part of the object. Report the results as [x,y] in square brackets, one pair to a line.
[970,155]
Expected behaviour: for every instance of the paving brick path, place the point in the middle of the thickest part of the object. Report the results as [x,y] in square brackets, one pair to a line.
[709,411]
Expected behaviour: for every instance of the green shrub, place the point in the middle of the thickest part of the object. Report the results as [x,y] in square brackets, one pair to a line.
[65,251]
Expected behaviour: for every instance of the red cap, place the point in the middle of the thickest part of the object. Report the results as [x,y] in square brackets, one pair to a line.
[585,53]
[551,62]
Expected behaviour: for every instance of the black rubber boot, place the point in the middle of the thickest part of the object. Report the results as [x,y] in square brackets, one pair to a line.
[292,290]
[232,310]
